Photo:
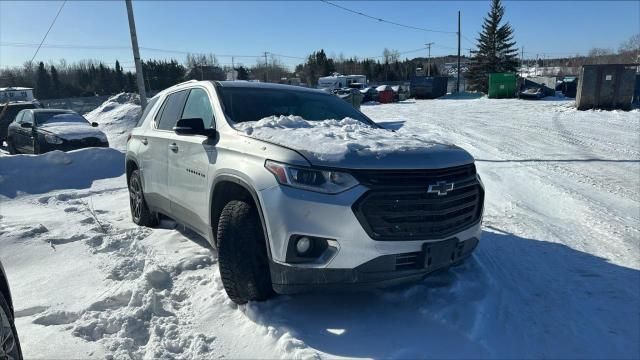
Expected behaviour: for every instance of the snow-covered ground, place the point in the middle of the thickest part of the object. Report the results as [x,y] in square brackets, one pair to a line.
[556,275]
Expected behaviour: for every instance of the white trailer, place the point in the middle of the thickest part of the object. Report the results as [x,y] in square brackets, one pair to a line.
[337,81]
[12,94]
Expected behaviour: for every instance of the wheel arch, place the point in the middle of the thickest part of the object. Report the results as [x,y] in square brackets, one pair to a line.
[229,187]
[130,165]
[4,289]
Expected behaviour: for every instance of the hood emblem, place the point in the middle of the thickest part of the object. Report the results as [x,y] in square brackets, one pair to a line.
[441,188]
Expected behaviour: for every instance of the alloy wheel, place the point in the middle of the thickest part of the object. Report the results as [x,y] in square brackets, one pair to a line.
[8,348]
[135,198]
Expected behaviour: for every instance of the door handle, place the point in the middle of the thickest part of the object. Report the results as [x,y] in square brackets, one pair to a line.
[144,141]
[173,147]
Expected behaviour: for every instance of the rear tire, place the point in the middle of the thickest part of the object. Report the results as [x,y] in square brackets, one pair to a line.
[140,213]
[9,343]
[242,254]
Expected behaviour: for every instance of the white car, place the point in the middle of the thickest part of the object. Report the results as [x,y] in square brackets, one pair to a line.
[284,218]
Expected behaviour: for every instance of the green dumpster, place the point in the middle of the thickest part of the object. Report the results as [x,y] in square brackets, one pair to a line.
[502,85]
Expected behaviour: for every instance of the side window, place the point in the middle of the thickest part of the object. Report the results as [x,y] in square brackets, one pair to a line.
[199,106]
[146,111]
[172,110]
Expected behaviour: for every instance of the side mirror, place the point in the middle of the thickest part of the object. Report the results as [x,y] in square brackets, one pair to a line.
[94,124]
[26,125]
[193,126]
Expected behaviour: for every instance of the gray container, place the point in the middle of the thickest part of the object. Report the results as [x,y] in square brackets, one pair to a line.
[636,96]
[608,87]
[423,87]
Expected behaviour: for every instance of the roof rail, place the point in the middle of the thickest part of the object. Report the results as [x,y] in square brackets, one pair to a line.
[184,82]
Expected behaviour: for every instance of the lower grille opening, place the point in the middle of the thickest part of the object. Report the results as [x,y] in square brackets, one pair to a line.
[408,261]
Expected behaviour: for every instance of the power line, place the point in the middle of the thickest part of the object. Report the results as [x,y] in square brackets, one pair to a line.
[288,56]
[468,40]
[107,47]
[47,33]
[386,21]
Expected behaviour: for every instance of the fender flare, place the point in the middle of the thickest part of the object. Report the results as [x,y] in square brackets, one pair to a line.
[254,195]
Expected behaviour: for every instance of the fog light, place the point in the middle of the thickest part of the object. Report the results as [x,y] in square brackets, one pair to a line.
[303,245]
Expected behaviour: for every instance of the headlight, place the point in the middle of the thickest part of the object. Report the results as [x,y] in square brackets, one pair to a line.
[329,182]
[52,139]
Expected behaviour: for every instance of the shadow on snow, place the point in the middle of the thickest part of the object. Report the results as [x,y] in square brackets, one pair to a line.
[516,297]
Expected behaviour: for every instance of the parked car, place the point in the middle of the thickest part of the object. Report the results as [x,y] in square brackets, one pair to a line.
[369,94]
[9,342]
[36,131]
[283,220]
[8,112]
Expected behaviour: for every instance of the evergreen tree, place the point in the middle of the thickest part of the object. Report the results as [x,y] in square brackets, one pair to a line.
[43,82]
[496,49]
[56,87]
[131,85]
[243,74]
[120,80]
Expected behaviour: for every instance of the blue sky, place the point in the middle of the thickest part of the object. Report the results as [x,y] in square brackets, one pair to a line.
[295,29]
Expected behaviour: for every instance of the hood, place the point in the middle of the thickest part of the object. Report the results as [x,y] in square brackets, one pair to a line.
[435,156]
[72,130]
[351,144]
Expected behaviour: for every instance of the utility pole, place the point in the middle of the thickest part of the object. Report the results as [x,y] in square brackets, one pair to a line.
[266,67]
[136,56]
[459,34]
[429,59]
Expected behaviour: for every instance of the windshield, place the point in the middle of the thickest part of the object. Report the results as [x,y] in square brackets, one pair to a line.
[253,104]
[49,117]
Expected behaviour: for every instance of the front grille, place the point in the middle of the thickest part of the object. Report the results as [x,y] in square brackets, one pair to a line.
[398,206]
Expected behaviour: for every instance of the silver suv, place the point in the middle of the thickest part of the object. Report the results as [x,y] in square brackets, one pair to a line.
[283,220]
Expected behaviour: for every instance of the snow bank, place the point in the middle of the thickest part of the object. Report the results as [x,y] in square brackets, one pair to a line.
[37,174]
[116,117]
[332,140]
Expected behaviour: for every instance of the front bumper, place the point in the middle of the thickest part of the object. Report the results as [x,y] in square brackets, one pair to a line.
[358,260]
[385,270]
[70,145]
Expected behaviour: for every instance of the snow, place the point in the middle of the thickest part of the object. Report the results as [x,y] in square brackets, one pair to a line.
[556,275]
[332,140]
[57,170]
[116,117]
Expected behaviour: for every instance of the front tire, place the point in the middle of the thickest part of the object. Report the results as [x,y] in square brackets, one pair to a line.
[242,254]
[11,147]
[140,213]
[9,344]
